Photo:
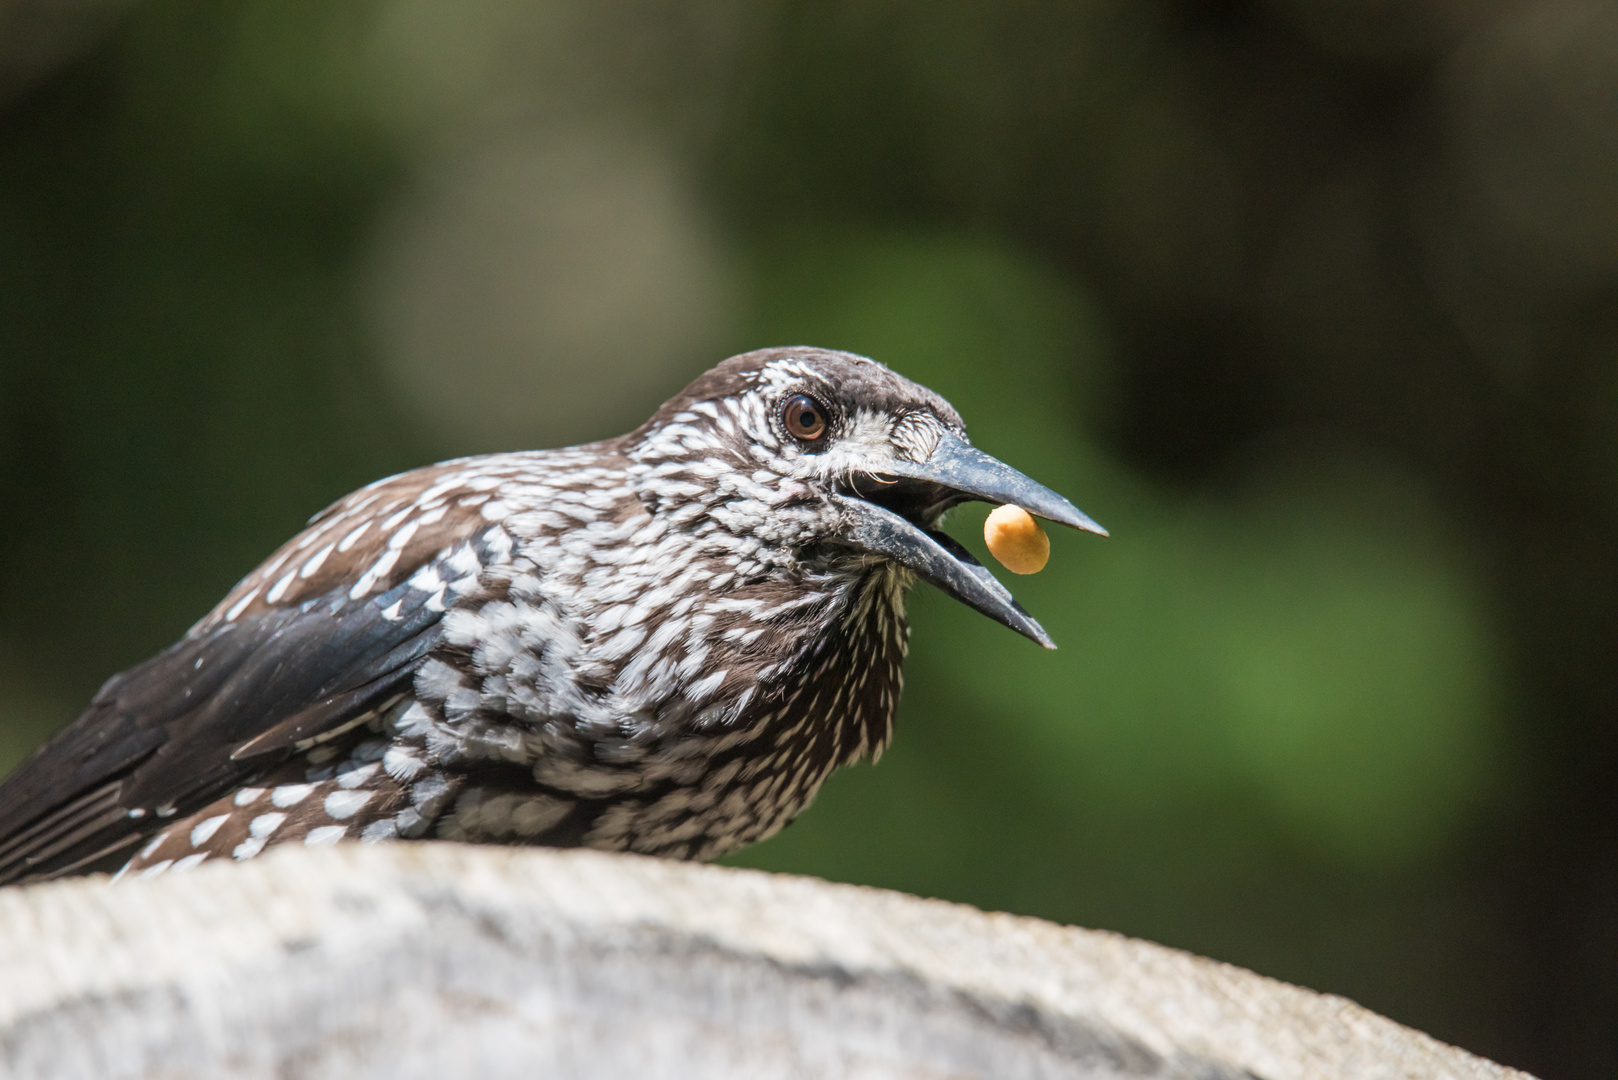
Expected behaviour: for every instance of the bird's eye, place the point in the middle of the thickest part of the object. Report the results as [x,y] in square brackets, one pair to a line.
[804,417]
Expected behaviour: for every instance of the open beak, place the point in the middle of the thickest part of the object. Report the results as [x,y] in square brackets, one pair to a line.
[886,516]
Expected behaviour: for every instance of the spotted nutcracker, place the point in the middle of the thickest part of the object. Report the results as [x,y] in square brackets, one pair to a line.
[664,642]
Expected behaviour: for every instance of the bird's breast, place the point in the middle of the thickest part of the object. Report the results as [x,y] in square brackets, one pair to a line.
[685,719]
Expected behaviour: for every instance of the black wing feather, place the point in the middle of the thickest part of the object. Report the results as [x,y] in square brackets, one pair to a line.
[182,728]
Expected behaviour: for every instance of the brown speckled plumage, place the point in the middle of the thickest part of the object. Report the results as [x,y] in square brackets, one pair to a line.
[662,643]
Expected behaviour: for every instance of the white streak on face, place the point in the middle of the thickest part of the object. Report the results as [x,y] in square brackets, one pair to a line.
[916,435]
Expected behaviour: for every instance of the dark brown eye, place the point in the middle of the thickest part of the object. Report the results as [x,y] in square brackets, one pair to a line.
[804,417]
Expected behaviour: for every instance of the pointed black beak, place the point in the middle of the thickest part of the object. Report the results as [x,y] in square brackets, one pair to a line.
[883,516]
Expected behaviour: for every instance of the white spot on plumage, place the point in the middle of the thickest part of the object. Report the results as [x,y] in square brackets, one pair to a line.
[315,562]
[369,579]
[401,763]
[499,543]
[249,847]
[462,561]
[279,589]
[240,606]
[343,805]
[290,794]
[402,537]
[353,778]
[349,541]
[203,831]
[325,834]
[265,824]
[705,687]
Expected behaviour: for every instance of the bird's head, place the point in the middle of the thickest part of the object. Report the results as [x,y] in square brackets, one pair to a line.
[809,457]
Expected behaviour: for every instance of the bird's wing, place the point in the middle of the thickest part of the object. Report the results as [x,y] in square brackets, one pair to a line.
[327,631]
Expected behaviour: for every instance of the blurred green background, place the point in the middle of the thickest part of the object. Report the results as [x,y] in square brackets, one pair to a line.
[1313,303]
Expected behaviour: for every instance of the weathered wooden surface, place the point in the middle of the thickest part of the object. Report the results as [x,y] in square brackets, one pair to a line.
[427,960]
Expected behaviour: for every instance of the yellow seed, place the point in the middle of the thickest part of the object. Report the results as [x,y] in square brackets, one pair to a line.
[1016,539]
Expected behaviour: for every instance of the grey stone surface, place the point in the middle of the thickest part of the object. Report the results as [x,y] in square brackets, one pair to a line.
[432,960]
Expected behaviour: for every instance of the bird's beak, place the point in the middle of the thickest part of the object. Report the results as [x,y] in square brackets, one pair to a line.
[883,514]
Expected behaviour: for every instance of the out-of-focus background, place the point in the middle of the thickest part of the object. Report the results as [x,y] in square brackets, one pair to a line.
[1314,303]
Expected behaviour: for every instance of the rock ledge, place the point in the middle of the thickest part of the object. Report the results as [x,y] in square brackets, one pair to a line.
[437,960]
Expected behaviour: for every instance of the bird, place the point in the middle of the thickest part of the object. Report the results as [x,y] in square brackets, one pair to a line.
[660,643]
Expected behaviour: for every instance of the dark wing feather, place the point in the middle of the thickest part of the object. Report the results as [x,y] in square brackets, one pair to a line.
[236,695]
[165,735]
